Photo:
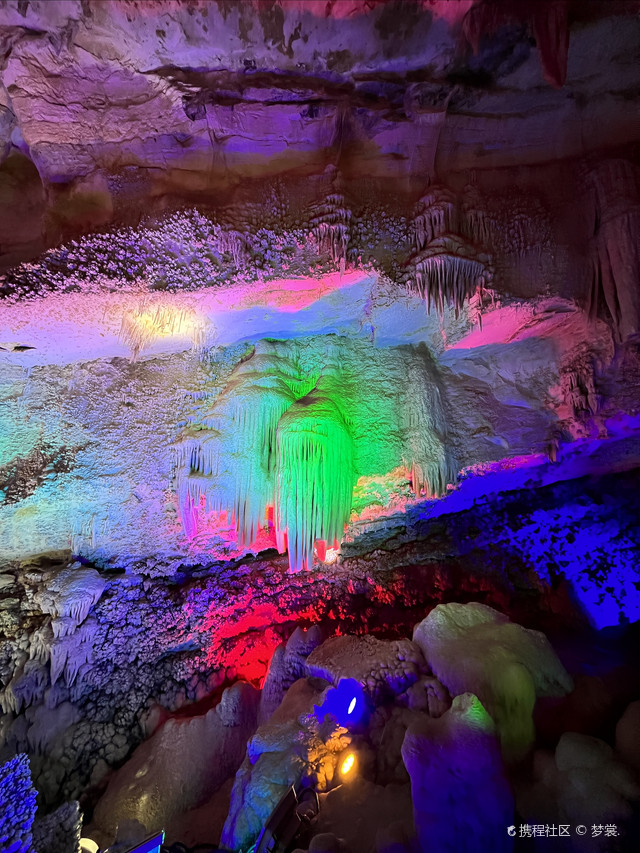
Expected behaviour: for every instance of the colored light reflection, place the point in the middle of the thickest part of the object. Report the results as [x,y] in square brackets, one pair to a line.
[347,765]
[345,703]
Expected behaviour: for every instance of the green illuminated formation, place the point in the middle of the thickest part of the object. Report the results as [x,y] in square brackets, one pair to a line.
[230,452]
[315,474]
[296,426]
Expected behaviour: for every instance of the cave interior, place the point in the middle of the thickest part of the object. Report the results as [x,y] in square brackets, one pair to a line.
[319,426]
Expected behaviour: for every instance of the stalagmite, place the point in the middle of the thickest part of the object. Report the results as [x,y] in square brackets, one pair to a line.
[235,243]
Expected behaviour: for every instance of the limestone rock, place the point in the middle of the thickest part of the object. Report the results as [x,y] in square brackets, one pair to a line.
[286,666]
[179,767]
[60,831]
[454,760]
[71,593]
[429,695]
[290,749]
[381,667]
[628,736]
[472,647]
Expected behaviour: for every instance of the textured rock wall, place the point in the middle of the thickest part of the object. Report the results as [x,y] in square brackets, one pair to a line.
[89,451]
[149,641]
[109,109]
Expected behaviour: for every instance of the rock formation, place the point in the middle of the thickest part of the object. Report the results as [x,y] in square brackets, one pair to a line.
[319,331]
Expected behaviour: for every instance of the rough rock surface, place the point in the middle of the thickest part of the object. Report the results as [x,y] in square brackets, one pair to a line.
[360,814]
[346,166]
[179,768]
[287,665]
[584,781]
[60,831]
[291,748]
[381,667]
[249,91]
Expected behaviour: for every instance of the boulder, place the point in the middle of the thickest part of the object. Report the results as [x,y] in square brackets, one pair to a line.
[474,648]
[628,736]
[179,767]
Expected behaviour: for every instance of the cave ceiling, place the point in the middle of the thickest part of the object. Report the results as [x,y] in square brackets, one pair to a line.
[109,110]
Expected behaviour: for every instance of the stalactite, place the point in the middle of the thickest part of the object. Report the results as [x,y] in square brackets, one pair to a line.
[475,225]
[8,700]
[70,653]
[31,684]
[424,430]
[550,24]
[142,326]
[447,272]
[447,268]
[281,435]
[578,384]
[436,215]
[330,223]
[228,457]
[613,205]
[235,243]
[40,644]
[315,475]
[547,19]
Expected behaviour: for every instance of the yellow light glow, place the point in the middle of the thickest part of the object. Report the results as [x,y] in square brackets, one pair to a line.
[145,324]
[347,765]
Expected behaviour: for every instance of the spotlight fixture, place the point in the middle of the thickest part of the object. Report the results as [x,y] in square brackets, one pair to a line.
[347,766]
[345,702]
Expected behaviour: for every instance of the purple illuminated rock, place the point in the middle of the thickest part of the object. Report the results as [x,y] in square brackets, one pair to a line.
[18,799]
[462,801]
[381,667]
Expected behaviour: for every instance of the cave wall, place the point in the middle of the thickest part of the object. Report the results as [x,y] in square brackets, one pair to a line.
[125,107]
[91,451]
